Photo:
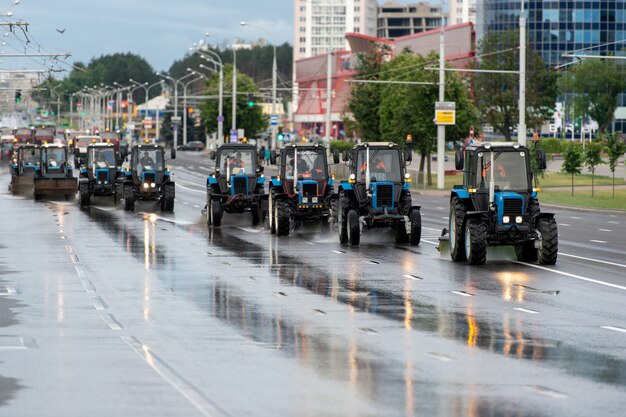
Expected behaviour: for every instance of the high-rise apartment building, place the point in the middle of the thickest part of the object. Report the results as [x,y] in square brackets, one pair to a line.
[461,11]
[397,20]
[322,24]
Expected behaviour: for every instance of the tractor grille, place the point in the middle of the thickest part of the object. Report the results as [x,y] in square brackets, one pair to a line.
[149,178]
[240,185]
[384,195]
[512,207]
[102,176]
[309,190]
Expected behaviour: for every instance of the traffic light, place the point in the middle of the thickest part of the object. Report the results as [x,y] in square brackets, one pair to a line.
[409,138]
[18,96]
[250,100]
[280,135]
[190,110]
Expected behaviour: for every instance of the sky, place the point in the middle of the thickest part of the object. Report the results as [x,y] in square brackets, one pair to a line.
[161,31]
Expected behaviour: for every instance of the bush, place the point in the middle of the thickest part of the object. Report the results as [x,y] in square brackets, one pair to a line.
[340,145]
[552,145]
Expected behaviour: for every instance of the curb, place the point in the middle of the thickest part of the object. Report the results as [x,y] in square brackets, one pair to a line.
[584,209]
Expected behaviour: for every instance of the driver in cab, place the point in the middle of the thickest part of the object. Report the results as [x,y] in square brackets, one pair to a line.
[146,160]
[236,164]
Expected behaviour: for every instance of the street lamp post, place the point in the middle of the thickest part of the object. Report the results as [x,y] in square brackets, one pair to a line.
[220,116]
[274,80]
[185,112]
[175,82]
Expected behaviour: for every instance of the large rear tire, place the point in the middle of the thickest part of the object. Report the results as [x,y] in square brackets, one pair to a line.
[168,196]
[415,232]
[283,217]
[476,242]
[354,228]
[342,222]
[271,218]
[549,248]
[129,198]
[215,211]
[84,196]
[256,215]
[456,230]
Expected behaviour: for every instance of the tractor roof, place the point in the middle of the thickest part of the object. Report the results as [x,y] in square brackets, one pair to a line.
[376,145]
[101,145]
[490,146]
[237,146]
[303,145]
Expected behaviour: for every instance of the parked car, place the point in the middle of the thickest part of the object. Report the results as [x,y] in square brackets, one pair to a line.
[192,146]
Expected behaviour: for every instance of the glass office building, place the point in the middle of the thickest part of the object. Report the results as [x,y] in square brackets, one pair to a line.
[555,27]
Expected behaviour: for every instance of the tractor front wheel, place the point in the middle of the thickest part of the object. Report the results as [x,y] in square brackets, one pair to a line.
[167,198]
[476,242]
[354,228]
[415,232]
[456,230]
[84,196]
[215,213]
[549,248]
[282,218]
[271,215]
[342,223]
[129,198]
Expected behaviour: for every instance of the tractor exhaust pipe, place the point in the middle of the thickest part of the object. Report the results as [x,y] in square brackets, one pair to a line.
[492,183]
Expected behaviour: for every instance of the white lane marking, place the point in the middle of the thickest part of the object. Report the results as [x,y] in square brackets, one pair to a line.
[525,310]
[110,321]
[547,392]
[18,346]
[185,202]
[445,218]
[413,277]
[249,230]
[69,249]
[338,251]
[592,260]
[97,302]
[440,356]
[428,241]
[612,222]
[88,286]
[615,329]
[74,258]
[431,228]
[196,206]
[309,243]
[567,274]
[575,218]
[80,271]
[597,241]
[191,189]
[8,291]
[371,262]
[441,208]
[195,397]
[564,224]
[462,293]
[605,230]
[204,168]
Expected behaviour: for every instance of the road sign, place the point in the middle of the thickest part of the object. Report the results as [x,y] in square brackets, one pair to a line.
[176,120]
[220,119]
[274,119]
[130,126]
[445,113]
[233,136]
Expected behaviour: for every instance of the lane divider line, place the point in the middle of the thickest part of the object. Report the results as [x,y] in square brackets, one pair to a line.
[615,329]
[592,260]
[88,286]
[97,302]
[413,277]
[525,310]
[80,271]
[548,392]
[462,293]
[195,397]
[567,274]
[110,321]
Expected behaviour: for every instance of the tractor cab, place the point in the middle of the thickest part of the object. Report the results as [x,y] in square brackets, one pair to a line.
[147,163]
[304,172]
[55,161]
[26,160]
[99,175]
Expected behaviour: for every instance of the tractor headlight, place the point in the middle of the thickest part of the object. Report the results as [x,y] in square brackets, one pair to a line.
[314,200]
[518,219]
[99,182]
[506,219]
[146,185]
[352,178]
[305,200]
[153,185]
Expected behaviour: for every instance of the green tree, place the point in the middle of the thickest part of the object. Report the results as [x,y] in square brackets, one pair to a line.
[572,161]
[251,119]
[593,157]
[596,85]
[615,149]
[497,95]
[409,109]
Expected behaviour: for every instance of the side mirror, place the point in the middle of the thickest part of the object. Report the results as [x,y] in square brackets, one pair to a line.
[273,158]
[542,161]
[346,156]
[213,155]
[173,153]
[260,169]
[459,160]
[408,155]
[32,152]
[336,156]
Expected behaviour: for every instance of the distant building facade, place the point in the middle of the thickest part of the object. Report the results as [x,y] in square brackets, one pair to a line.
[461,11]
[397,20]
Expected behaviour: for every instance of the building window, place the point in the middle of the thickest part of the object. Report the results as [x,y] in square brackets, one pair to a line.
[302,40]
[302,50]
[357,19]
[357,30]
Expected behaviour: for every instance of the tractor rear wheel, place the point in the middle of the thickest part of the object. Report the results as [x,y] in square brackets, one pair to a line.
[549,248]
[476,242]
[256,215]
[129,198]
[354,228]
[405,202]
[84,196]
[167,198]
[456,230]
[283,217]
[342,223]
[415,232]
[215,212]
[400,232]
[271,213]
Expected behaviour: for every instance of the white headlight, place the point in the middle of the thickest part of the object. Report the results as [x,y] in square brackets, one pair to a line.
[518,219]
[314,200]
[407,176]
[506,219]
[153,185]
[352,177]
[305,200]
[145,185]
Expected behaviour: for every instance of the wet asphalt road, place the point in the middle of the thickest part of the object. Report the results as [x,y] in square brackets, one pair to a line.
[107,313]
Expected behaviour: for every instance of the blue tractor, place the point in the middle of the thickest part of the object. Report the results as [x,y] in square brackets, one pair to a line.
[147,178]
[377,194]
[25,166]
[237,185]
[303,189]
[98,177]
[498,206]
[56,173]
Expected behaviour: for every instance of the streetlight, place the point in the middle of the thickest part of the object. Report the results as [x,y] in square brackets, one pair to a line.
[147,88]
[201,76]
[175,118]
[274,78]
[220,116]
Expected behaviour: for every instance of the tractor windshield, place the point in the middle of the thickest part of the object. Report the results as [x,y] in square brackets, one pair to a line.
[310,164]
[101,158]
[54,158]
[150,160]
[509,170]
[384,165]
[237,161]
[31,156]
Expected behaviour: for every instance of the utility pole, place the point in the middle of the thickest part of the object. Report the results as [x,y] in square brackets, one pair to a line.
[521,127]
[329,81]
[441,129]
[234,100]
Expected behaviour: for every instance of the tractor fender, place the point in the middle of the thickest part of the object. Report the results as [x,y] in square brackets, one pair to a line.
[462,194]
[276,183]
[281,196]
[539,216]
[260,180]
[345,185]
[211,180]
[477,215]
[415,208]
